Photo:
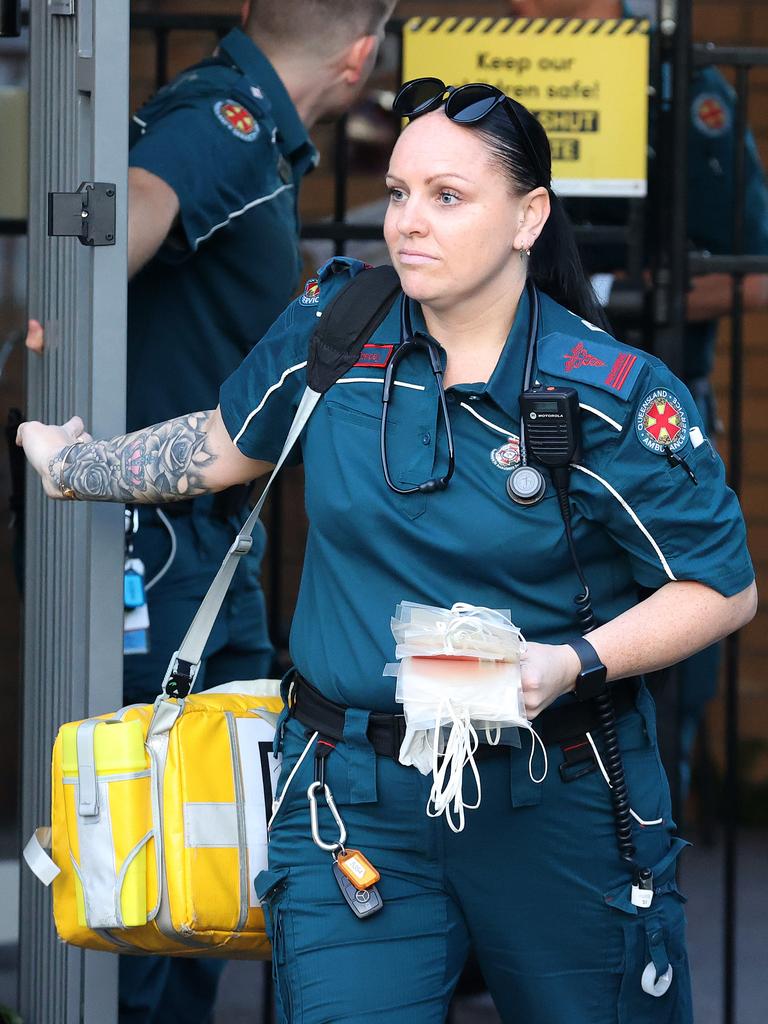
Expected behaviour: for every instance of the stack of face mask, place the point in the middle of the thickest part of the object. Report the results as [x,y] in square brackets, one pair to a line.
[458,677]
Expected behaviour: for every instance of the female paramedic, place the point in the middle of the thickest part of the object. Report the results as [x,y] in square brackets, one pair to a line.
[566,887]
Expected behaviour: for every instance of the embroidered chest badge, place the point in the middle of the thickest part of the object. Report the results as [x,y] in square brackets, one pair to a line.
[661,422]
[710,115]
[579,357]
[507,456]
[311,293]
[375,355]
[237,119]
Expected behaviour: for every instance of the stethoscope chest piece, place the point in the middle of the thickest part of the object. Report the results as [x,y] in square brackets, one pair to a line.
[525,485]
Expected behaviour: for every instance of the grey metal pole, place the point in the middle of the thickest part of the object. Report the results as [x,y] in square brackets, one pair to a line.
[73,570]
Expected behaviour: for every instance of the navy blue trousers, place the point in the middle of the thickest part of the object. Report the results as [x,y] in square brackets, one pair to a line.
[534,884]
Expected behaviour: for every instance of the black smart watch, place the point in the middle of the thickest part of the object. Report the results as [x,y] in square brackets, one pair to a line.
[591,681]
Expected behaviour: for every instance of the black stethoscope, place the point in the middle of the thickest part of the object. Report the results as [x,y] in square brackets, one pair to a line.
[525,485]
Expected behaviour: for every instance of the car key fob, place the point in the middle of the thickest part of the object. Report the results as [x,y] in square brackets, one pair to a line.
[363,902]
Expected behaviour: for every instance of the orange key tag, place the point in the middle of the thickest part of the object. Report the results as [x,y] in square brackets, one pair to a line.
[358,869]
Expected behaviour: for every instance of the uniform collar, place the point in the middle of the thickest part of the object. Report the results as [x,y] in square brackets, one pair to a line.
[294,140]
[506,381]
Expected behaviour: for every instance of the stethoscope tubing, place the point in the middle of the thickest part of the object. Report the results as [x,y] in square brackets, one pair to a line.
[409,341]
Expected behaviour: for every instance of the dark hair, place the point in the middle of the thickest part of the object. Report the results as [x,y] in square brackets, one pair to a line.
[526,159]
[288,23]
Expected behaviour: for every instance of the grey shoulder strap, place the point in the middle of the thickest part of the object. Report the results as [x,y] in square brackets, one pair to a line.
[182,669]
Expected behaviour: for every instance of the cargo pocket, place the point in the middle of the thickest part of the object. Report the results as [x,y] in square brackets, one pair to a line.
[656,961]
[272,891]
[654,943]
[108,802]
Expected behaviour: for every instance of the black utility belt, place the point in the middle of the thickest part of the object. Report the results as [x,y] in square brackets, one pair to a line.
[386,732]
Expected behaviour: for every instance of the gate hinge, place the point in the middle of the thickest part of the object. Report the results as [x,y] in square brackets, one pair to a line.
[88,214]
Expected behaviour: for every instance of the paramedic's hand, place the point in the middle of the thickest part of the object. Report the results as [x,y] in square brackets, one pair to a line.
[547,671]
[35,339]
[42,441]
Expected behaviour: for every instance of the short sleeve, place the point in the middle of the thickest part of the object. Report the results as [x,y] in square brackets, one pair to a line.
[216,155]
[259,400]
[676,520]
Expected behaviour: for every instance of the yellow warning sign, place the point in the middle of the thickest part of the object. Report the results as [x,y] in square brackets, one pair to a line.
[585,80]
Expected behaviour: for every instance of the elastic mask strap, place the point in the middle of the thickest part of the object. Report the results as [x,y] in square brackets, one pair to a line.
[535,738]
[446,796]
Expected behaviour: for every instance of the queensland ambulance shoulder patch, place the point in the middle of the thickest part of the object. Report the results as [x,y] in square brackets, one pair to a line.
[661,422]
[237,119]
[710,115]
[311,294]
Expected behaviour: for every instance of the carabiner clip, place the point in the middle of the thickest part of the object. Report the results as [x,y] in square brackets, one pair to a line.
[316,838]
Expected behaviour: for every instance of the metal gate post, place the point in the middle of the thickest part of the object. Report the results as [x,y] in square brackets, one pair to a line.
[73,571]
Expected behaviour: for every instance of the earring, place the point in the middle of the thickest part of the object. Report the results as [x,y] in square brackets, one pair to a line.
[524,251]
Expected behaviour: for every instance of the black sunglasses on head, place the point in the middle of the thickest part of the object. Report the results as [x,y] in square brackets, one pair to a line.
[465,104]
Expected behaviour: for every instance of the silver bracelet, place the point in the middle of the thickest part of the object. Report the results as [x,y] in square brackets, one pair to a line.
[68,492]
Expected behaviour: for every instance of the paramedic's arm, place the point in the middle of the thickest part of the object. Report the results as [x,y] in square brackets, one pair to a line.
[169,461]
[674,622]
[152,209]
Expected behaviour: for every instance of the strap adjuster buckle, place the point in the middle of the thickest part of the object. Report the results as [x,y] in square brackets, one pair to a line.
[241,545]
[179,677]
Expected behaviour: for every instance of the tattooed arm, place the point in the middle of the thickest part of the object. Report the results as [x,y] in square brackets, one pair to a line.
[169,461]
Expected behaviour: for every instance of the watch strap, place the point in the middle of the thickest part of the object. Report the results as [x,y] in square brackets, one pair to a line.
[591,681]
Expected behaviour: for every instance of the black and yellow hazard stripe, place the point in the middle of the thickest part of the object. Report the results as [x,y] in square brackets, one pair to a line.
[529,26]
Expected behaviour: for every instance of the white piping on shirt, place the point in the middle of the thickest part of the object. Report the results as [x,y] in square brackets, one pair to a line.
[139,122]
[267,393]
[239,213]
[602,415]
[380,380]
[493,426]
[631,512]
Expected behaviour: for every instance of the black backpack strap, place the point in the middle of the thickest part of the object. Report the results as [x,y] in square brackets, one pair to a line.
[347,323]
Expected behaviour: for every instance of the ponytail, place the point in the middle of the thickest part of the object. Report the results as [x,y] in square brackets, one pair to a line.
[555,268]
[526,159]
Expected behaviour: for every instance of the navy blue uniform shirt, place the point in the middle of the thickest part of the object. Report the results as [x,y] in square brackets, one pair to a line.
[226,137]
[636,518]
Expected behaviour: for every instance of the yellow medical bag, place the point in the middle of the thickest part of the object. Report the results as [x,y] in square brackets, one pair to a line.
[159,826]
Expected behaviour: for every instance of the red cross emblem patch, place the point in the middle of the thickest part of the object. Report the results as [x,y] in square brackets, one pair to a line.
[237,119]
[710,115]
[661,422]
[579,357]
